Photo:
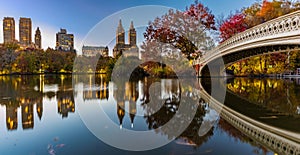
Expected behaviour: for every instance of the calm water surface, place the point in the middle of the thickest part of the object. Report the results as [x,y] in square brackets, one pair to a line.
[42,114]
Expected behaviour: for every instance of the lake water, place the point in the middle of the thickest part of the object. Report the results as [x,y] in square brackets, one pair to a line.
[58,114]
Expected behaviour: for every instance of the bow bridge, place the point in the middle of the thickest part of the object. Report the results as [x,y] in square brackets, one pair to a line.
[277,35]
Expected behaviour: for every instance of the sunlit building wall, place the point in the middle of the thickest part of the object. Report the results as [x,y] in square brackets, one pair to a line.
[91,51]
[25,31]
[64,41]
[8,29]
[11,117]
[27,114]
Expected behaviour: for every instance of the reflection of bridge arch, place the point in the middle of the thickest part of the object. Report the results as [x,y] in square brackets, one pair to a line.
[276,139]
[277,35]
[282,32]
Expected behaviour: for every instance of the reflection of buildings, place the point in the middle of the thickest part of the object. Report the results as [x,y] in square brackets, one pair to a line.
[121,112]
[137,92]
[31,101]
[39,109]
[132,111]
[27,113]
[131,94]
[120,47]
[170,89]
[11,117]
[65,105]
[101,93]
[65,100]
[128,94]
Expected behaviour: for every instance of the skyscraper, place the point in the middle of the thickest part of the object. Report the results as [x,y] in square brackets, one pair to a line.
[38,38]
[25,31]
[64,41]
[8,29]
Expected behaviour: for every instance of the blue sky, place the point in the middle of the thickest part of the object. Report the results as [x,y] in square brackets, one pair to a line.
[80,16]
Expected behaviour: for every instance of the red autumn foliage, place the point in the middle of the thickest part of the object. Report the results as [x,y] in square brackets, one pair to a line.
[180,29]
[235,24]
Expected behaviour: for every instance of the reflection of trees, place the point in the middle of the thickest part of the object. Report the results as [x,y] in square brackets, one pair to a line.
[191,133]
[160,99]
[274,94]
[90,81]
[174,95]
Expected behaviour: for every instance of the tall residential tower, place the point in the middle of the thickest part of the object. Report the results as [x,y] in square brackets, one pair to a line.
[64,41]
[25,31]
[8,29]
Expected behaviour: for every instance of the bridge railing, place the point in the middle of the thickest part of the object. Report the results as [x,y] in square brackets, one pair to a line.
[282,26]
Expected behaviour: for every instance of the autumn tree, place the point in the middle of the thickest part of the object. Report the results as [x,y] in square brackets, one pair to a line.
[7,59]
[15,60]
[251,18]
[184,30]
[233,25]
[256,14]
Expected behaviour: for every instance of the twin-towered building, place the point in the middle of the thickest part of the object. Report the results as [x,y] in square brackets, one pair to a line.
[25,32]
[120,47]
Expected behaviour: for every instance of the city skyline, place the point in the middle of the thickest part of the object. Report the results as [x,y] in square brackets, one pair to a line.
[89,13]
[30,39]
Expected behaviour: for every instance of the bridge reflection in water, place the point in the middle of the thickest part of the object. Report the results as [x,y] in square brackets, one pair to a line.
[277,35]
[277,139]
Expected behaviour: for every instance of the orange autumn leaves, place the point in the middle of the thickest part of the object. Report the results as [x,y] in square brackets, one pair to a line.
[254,15]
